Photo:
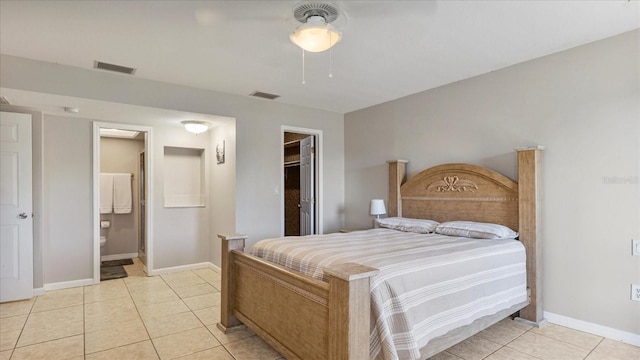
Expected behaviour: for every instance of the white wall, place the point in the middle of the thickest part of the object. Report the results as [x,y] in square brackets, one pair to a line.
[181,235]
[584,105]
[257,167]
[223,187]
[67,196]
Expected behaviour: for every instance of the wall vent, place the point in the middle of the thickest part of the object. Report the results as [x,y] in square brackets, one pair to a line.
[264,95]
[112,67]
[4,101]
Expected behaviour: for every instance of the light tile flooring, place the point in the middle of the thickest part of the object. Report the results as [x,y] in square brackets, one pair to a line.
[173,317]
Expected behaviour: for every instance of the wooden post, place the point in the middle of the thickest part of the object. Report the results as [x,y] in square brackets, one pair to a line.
[349,311]
[230,242]
[530,227]
[397,172]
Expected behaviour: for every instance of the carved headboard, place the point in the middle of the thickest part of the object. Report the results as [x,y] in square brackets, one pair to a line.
[460,192]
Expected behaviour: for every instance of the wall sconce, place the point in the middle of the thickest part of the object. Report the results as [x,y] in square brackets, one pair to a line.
[196,126]
[377,208]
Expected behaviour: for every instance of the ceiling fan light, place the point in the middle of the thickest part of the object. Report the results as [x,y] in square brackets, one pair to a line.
[196,127]
[315,35]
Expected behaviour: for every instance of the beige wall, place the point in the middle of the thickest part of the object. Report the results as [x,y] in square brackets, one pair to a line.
[223,187]
[584,106]
[122,156]
[67,238]
[181,236]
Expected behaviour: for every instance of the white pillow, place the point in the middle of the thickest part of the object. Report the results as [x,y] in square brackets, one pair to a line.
[420,226]
[475,230]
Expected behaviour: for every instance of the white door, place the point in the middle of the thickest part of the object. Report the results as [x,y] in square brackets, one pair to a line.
[16,226]
[307,186]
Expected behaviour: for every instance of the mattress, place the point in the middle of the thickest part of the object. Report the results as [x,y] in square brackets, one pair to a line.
[428,284]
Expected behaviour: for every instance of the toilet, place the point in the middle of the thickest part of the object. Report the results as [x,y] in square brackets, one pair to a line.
[103,240]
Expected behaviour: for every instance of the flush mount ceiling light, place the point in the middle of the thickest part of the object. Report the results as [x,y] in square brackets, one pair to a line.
[196,126]
[316,34]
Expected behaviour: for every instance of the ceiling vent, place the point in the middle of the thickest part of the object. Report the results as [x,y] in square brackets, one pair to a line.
[4,101]
[112,67]
[264,95]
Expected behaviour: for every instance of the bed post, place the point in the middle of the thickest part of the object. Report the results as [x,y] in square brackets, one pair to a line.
[230,242]
[530,227]
[397,172]
[349,310]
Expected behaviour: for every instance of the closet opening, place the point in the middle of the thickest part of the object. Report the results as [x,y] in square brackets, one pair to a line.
[301,173]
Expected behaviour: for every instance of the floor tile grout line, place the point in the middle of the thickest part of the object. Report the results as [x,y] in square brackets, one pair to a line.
[214,336]
[84,325]
[199,320]
[568,343]
[140,316]
[594,348]
[205,326]
[519,336]
[15,346]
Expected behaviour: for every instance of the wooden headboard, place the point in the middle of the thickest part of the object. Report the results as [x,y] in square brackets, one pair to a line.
[467,192]
[461,192]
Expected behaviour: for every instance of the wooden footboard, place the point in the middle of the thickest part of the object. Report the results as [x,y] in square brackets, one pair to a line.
[300,317]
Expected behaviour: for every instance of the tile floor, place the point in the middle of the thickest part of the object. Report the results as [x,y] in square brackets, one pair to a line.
[173,317]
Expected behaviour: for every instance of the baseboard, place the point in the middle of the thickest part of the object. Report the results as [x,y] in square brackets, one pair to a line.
[600,330]
[38,291]
[215,267]
[118,256]
[174,269]
[67,284]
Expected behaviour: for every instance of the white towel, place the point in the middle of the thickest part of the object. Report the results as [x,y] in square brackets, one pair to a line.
[106,193]
[122,193]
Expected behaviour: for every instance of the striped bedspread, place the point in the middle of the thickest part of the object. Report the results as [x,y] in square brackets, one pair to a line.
[428,284]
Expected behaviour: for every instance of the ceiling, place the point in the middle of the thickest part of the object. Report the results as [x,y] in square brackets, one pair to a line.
[389,49]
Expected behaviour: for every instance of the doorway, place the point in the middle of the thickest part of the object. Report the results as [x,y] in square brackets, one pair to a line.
[143,183]
[301,181]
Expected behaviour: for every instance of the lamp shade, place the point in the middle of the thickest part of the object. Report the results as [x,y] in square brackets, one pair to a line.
[377,207]
[315,35]
[195,126]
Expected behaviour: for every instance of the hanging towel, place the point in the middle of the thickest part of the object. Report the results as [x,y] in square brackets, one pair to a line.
[122,193]
[106,193]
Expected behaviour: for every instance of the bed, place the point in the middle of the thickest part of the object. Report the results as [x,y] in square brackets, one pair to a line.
[328,312]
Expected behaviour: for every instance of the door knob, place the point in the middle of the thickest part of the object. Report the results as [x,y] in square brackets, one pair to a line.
[23,215]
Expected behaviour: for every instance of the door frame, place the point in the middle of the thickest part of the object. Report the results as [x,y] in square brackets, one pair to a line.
[148,148]
[319,174]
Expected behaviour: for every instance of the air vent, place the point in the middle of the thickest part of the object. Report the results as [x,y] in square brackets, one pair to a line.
[264,95]
[4,101]
[112,67]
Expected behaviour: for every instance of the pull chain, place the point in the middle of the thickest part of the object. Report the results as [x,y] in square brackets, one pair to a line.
[330,58]
[303,81]
[330,64]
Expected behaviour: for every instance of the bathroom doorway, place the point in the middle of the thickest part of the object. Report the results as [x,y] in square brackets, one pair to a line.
[120,152]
